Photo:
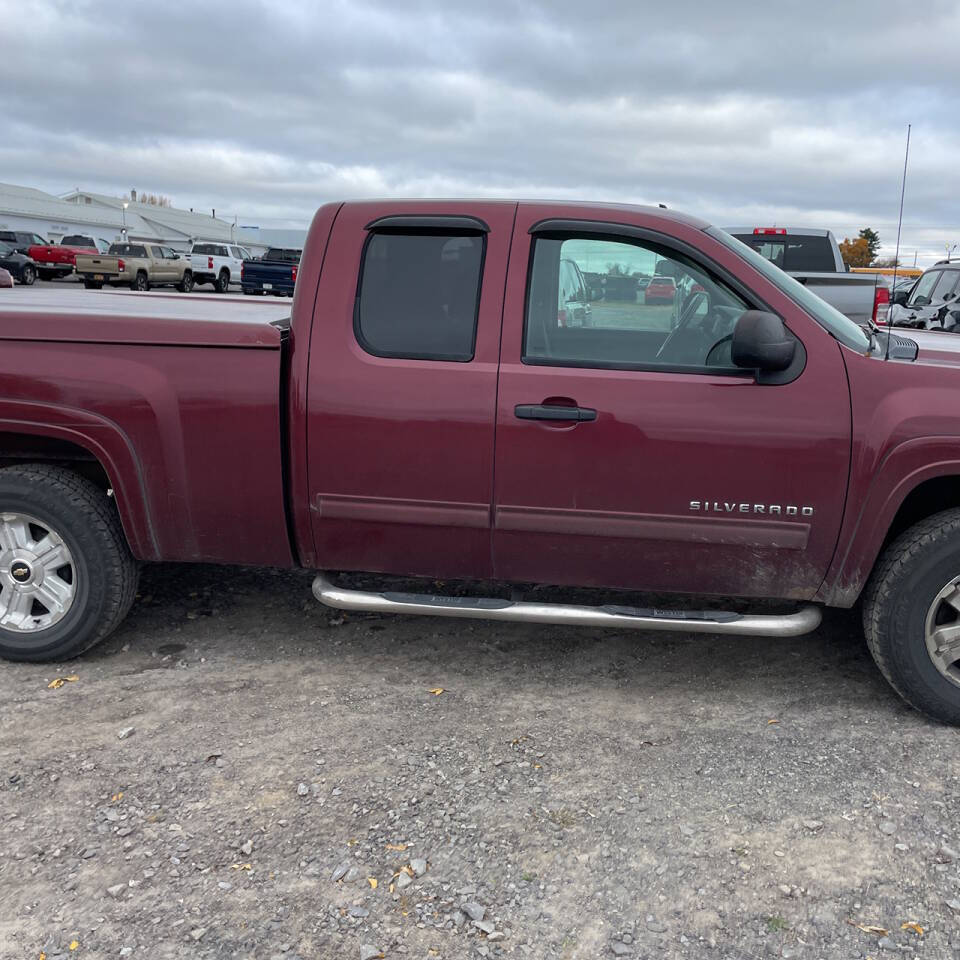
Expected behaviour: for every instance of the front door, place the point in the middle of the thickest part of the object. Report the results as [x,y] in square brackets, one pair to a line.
[631,453]
[402,387]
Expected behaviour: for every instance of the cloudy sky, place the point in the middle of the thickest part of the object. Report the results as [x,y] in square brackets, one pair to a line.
[744,113]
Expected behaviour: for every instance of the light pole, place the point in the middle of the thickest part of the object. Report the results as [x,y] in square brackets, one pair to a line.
[124,215]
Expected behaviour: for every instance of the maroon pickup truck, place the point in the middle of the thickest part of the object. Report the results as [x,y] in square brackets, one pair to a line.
[427,410]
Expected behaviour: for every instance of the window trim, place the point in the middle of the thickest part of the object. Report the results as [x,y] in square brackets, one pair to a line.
[625,233]
[394,229]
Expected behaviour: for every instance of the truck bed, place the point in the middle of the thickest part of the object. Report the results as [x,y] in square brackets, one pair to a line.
[177,396]
[76,316]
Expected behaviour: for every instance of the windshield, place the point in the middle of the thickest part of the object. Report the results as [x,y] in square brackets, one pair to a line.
[831,319]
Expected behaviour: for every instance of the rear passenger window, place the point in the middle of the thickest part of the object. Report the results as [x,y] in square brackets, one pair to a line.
[419,294]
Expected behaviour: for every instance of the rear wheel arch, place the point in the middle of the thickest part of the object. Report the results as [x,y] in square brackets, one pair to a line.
[112,468]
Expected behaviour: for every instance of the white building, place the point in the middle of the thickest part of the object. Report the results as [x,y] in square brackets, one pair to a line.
[114,219]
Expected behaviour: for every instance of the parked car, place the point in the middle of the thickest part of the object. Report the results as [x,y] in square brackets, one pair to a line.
[135,265]
[275,272]
[420,412]
[57,260]
[19,265]
[661,290]
[813,257]
[932,302]
[85,240]
[573,304]
[5,279]
[217,263]
[21,239]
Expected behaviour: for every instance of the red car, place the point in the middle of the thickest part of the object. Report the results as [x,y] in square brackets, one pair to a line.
[420,412]
[5,279]
[661,290]
[56,260]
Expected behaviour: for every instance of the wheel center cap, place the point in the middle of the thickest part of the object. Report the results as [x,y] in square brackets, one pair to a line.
[21,571]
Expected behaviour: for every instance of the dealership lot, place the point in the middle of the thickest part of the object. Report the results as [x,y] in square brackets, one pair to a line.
[580,793]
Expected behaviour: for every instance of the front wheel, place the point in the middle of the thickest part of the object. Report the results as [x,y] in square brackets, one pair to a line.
[911,616]
[67,578]
[28,275]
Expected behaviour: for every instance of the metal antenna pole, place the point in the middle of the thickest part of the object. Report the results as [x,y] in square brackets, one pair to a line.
[896,258]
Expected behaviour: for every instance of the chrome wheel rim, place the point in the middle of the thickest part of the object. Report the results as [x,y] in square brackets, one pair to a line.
[942,631]
[38,577]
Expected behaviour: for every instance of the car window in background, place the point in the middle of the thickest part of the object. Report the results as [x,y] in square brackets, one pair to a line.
[128,250]
[803,254]
[843,328]
[945,285]
[922,292]
[157,253]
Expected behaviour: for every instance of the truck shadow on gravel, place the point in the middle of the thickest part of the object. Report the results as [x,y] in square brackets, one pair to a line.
[187,612]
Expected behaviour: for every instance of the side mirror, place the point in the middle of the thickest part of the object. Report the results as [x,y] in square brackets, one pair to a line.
[900,297]
[761,342]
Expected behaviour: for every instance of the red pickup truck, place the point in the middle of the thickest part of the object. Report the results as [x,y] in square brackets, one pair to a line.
[423,410]
[58,260]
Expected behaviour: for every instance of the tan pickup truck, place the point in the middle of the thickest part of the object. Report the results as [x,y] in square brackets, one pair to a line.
[135,265]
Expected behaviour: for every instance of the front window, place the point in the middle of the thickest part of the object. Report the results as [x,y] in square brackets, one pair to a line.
[831,319]
[923,291]
[596,302]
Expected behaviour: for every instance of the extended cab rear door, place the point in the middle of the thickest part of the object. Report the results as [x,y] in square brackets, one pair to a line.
[630,452]
[401,396]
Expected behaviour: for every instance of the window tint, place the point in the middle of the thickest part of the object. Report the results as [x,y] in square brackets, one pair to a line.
[157,253]
[419,294]
[596,302]
[944,285]
[799,253]
[204,248]
[921,295]
[236,253]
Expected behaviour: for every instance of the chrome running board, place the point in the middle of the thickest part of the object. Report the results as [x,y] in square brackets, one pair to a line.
[804,620]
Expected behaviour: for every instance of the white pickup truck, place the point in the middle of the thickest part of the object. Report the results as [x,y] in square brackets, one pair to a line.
[217,263]
[813,258]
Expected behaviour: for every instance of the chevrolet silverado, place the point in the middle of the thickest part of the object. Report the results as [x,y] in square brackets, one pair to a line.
[422,409]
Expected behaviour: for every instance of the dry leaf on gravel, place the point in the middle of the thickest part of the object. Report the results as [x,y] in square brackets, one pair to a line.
[396,846]
[74,944]
[57,682]
[772,721]
[373,882]
[436,691]
[242,866]
[913,927]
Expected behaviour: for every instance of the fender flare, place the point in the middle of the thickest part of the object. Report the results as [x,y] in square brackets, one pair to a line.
[902,469]
[109,445]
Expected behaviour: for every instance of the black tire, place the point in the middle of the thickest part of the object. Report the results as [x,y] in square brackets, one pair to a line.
[106,573]
[186,284]
[28,275]
[222,283]
[905,582]
[93,284]
[140,282]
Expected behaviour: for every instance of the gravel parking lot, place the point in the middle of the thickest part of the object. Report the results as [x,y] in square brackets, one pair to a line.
[240,772]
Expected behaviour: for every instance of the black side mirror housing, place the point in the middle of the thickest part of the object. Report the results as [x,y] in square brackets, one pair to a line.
[900,297]
[761,342]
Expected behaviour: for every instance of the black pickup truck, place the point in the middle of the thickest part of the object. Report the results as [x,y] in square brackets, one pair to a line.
[275,272]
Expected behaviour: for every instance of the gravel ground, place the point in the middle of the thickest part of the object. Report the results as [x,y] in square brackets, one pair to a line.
[240,772]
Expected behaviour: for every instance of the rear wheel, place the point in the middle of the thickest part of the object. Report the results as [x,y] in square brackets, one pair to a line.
[140,281]
[223,281]
[67,578]
[186,284]
[28,275]
[911,616]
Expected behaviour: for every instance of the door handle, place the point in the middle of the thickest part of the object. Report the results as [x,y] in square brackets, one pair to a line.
[543,411]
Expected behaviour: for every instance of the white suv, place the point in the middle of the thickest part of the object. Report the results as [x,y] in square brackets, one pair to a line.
[217,263]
